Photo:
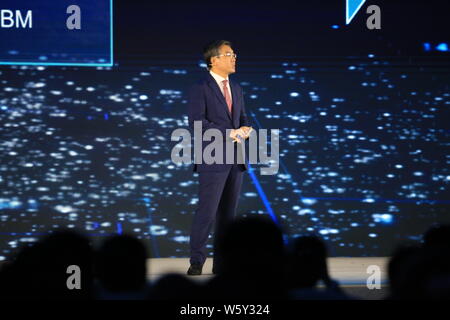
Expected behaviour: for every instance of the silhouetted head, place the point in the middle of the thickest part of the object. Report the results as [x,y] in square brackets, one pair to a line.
[251,246]
[400,270]
[175,286]
[438,237]
[308,261]
[419,273]
[42,270]
[253,260]
[121,264]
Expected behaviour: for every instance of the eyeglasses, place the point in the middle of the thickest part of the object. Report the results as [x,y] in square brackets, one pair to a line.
[228,54]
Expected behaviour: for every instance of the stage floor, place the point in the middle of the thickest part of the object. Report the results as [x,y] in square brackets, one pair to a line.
[351,273]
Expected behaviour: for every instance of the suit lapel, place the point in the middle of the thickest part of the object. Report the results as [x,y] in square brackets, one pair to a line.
[214,86]
[235,105]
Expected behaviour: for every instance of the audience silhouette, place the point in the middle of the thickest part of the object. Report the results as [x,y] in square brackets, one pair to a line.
[40,271]
[121,269]
[422,271]
[253,263]
[256,264]
[307,267]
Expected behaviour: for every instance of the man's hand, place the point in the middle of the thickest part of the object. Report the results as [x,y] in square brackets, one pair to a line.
[243,132]
[237,135]
[247,131]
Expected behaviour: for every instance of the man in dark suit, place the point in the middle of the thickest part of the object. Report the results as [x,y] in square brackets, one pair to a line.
[217,103]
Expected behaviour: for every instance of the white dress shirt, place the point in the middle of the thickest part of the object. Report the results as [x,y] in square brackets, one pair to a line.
[219,80]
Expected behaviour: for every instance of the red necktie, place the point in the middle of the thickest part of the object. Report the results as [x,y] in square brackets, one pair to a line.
[226,93]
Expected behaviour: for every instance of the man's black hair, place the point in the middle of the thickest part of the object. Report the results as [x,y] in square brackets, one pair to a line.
[212,49]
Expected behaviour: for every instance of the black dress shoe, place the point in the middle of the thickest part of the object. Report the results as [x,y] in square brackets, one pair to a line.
[195,269]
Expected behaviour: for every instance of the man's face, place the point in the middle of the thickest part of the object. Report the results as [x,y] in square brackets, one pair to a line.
[224,64]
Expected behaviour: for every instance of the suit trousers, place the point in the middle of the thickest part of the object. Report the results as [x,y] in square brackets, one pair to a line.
[218,199]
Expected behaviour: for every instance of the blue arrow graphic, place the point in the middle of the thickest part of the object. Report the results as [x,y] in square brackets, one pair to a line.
[352,9]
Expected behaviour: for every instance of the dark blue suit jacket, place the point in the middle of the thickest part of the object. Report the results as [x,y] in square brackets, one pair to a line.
[206,103]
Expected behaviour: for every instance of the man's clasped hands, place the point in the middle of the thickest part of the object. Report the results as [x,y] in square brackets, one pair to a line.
[239,135]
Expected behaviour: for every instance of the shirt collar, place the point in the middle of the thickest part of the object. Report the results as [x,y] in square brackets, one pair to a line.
[216,77]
